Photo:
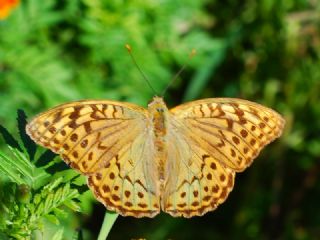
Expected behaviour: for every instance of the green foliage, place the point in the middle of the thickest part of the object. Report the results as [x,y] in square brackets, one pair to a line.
[21,217]
[28,194]
[267,51]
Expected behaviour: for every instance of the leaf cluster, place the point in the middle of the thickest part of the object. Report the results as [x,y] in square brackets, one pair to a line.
[30,196]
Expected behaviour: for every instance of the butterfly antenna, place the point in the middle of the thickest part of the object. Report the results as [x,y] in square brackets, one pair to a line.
[128,47]
[191,55]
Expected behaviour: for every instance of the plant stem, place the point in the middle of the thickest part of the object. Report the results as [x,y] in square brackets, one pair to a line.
[108,221]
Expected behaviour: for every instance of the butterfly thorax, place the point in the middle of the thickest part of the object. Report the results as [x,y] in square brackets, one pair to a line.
[159,113]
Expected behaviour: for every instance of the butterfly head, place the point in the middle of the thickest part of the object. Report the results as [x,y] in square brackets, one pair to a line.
[157,105]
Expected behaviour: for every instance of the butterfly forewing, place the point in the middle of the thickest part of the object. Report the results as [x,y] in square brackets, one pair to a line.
[105,140]
[232,130]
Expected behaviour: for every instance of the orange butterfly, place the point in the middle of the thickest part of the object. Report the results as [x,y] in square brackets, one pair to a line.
[138,161]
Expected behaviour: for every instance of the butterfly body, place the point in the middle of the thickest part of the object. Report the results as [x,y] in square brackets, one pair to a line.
[158,113]
[140,161]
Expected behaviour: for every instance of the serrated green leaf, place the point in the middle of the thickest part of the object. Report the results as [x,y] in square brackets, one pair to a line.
[49,202]
[72,205]
[60,213]
[23,165]
[40,209]
[53,219]
[8,168]
[54,184]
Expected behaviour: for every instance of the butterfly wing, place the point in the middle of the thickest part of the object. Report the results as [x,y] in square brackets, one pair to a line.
[196,182]
[214,138]
[109,142]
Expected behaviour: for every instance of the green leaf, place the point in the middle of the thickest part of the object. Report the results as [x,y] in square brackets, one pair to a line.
[53,219]
[27,142]
[9,139]
[8,168]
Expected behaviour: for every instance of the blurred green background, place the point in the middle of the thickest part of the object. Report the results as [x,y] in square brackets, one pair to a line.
[267,51]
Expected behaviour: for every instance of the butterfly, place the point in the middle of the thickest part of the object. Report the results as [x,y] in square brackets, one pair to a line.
[139,161]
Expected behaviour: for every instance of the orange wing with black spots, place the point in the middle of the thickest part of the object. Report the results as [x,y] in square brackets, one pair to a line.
[211,140]
[106,141]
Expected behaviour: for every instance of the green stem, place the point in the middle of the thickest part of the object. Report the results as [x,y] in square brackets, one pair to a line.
[108,221]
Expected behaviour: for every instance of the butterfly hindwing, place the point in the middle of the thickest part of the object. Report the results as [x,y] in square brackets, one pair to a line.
[126,183]
[198,183]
